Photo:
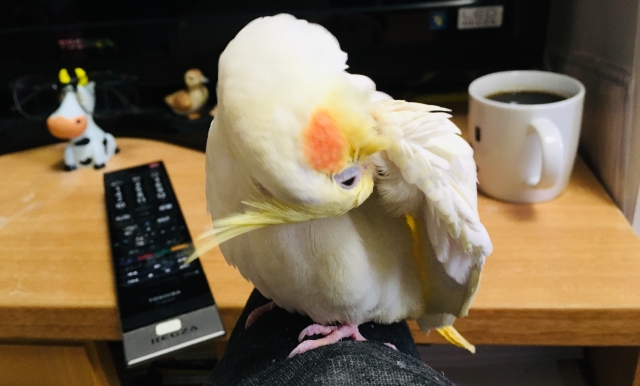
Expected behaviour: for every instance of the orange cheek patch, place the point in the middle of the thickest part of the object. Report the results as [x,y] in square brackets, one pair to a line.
[324,144]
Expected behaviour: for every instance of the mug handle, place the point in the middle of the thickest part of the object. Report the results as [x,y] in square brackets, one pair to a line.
[552,148]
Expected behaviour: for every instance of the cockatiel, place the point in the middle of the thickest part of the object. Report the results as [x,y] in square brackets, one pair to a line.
[333,199]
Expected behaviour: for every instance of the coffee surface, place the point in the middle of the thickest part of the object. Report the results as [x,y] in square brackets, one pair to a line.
[526,97]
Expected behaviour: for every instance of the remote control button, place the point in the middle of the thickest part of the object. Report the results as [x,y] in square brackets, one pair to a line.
[168,327]
[135,251]
[145,256]
[163,219]
[140,241]
[157,184]
[179,247]
[129,230]
[165,207]
[123,217]
[127,261]
[116,192]
[141,198]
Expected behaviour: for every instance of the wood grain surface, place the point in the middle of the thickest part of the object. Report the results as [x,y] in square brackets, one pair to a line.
[87,364]
[566,272]
[56,280]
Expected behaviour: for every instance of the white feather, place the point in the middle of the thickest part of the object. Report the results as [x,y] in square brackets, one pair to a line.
[351,268]
[432,157]
[359,266]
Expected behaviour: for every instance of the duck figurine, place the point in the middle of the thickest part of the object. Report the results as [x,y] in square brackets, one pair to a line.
[189,102]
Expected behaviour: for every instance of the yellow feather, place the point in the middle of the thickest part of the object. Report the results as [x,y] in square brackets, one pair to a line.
[356,124]
[417,258]
[262,214]
[454,337]
[448,332]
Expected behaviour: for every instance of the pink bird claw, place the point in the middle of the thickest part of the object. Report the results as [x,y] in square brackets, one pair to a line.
[258,312]
[316,329]
[303,347]
[332,334]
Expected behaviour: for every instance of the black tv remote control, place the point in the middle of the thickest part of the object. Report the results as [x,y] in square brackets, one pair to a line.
[164,304]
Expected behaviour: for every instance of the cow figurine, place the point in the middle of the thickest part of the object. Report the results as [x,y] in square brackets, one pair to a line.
[73,120]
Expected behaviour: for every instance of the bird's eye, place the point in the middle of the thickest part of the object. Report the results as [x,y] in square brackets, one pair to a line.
[348,178]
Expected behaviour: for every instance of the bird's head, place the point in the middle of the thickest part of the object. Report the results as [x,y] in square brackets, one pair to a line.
[300,131]
[304,161]
[314,158]
[194,78]
[293,118]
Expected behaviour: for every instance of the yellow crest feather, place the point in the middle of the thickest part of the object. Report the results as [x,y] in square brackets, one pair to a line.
[352,115]
[262,214]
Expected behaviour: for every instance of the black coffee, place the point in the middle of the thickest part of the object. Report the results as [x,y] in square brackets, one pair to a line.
[526,97]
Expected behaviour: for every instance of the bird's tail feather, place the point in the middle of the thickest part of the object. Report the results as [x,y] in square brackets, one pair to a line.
[454,337]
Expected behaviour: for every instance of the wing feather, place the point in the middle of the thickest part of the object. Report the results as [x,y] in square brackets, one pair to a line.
[432,158]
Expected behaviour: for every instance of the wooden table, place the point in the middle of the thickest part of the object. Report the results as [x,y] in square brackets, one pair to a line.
[565,272]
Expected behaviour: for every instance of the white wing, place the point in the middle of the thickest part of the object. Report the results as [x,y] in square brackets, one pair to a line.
[431,170]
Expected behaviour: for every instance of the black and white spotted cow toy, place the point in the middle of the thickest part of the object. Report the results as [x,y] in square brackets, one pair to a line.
[73,120]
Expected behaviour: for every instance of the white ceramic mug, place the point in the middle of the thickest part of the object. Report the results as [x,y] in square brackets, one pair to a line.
[524,152]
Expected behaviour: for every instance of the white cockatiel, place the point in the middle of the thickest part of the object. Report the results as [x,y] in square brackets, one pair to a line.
[333,199]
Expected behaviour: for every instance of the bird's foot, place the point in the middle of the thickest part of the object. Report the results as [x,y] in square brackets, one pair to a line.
[258,312]
[332,334]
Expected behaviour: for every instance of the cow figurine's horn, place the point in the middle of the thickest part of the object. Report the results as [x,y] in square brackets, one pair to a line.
[64,77]
[81,74]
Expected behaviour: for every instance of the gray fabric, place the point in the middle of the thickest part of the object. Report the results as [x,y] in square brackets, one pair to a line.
[258,355]
[348,363]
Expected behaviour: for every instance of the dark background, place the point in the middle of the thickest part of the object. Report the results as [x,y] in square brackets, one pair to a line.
[154,42]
